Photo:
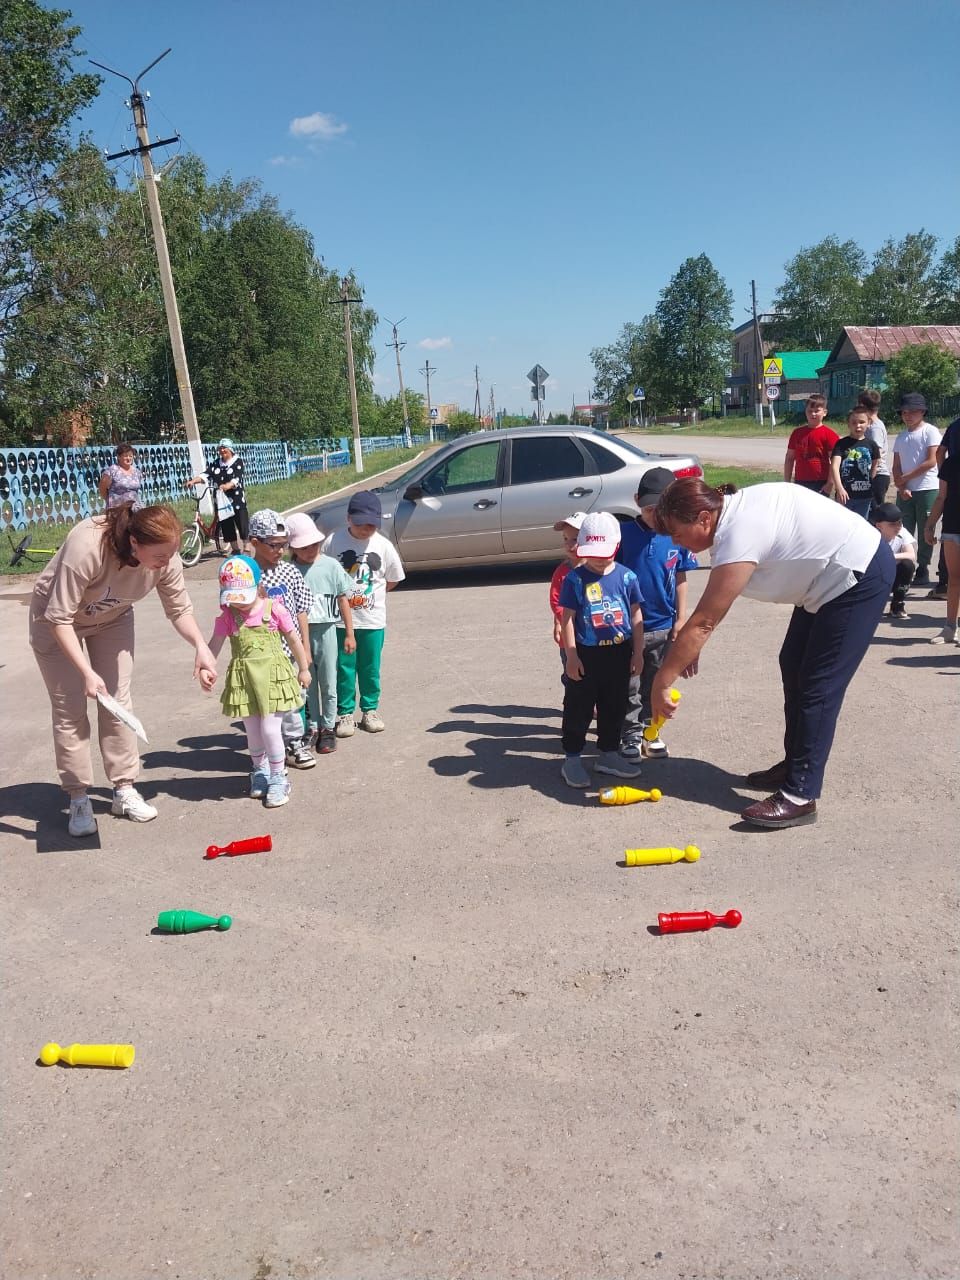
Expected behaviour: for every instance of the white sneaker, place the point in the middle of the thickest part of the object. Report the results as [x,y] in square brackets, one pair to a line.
[372,721]
[129,803]
[82,822]
[655,750]
[346,726]
[949,635]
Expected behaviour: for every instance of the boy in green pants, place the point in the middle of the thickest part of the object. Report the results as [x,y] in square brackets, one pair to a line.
[372,562]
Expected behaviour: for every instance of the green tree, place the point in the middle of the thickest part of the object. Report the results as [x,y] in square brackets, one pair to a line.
[945,308]
[819,295]
[926,368]
[900,287]
[39,96]
[461,422]
[633,359]
[691,352]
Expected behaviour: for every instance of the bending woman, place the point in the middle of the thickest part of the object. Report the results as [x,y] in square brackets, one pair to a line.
[81,632]
[781,543]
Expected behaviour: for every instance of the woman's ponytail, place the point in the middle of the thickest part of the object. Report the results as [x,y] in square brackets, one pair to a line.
[148,525]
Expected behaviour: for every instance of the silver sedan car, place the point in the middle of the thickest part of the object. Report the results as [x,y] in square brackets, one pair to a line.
[494,497]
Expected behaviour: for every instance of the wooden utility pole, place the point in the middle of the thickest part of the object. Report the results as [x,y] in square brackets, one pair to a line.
[187,408]
[477,411]
[345,301]
[757,357]
[397,348]
[427,371]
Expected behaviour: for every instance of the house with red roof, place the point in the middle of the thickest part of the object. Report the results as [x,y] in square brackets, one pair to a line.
[858,357]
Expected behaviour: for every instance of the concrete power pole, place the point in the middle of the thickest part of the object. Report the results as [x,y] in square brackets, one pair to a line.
[757,356]
[397,348]
[477,411]
[345,301]
[427,371]
[136,103]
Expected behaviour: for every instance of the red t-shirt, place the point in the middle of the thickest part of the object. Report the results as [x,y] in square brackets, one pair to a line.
[559,573]
[812,447]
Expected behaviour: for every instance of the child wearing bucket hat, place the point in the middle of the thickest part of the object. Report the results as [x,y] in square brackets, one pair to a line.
[260,685]
[602,634]
[661,566]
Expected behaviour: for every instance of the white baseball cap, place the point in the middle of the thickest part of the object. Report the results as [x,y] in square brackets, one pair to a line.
[599,535]
[575,521]
[301,530]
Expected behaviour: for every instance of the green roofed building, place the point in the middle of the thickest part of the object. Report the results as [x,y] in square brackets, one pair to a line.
[801,377]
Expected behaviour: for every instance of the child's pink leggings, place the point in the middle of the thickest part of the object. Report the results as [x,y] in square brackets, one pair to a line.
[265,740]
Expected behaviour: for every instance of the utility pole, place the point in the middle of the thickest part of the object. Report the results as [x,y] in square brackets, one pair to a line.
[345,301]
[492,409]
[398,347]
[757,356]
[427,371]
[187,408]
[477,411]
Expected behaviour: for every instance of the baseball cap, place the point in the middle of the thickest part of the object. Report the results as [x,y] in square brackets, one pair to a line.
[886,513]
[599,535]
[226,443]
[652,485]
[364,508]
[575,521]
[302,531]
[267,524]
[239,579]
[912,400]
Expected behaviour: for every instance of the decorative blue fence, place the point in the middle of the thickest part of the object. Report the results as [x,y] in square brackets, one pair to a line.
[59,486]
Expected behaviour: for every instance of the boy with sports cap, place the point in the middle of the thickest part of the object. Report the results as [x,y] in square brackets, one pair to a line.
[372,562]
[661,567]
[602,635]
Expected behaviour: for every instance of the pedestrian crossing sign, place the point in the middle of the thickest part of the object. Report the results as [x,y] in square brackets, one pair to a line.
[773,367]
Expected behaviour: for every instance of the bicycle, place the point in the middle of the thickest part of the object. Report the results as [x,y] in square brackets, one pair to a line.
[194,536]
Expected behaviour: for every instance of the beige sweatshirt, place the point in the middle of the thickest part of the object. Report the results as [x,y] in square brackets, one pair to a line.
[86,585]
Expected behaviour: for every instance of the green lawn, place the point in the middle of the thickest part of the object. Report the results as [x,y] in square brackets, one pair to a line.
[740,476]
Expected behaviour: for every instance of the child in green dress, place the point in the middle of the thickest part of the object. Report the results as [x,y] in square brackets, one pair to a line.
[259,686]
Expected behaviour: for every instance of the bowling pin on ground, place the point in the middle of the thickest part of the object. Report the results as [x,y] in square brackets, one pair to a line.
[628,795]
[660,857]
[190,922]
[694,921]
[256,844]
[89,1055]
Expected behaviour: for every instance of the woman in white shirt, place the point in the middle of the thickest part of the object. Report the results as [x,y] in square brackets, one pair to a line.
[781,543]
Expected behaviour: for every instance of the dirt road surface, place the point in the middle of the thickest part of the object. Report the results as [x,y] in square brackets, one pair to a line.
[440,1039]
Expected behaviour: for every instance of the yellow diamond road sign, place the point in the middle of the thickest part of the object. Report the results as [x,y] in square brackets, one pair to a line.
[773,367]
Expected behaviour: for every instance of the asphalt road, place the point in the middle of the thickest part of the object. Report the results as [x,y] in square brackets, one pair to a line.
[751,451]
[440,1038]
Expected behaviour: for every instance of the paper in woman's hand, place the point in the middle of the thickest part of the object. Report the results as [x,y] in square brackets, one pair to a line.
[123,715]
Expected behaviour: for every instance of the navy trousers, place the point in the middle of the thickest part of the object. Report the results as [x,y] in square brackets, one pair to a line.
[820,654]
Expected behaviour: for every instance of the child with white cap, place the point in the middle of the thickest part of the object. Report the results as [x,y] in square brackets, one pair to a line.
[568,528]
[260,684]
[331,587]
[602,634]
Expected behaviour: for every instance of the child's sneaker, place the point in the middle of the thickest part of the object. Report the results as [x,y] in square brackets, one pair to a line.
[278,792]
[655,750]
[612,762]
[327,741]
[299,755]
[129,803]
[573,773]
[949,635]
[82,822]
[631,748]
[259,782]
[372,721]
[346,726]
[899,615]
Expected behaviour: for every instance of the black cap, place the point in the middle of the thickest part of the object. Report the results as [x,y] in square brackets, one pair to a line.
[912,400]
[886,513]
[653,484]
[364,508]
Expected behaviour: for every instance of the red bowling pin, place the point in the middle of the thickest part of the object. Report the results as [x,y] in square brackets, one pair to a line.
[694,921]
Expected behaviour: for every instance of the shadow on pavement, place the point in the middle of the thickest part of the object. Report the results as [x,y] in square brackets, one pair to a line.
[226,752]
[45,805]
[476,708]
[481,576]
[927,660]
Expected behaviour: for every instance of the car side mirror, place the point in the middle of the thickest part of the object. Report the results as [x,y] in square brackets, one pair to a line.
[413,492]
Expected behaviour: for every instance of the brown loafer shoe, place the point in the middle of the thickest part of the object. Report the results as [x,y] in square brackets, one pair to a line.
[776,812]
[775,776]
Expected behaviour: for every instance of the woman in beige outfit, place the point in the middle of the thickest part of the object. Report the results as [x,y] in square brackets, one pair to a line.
[81,631]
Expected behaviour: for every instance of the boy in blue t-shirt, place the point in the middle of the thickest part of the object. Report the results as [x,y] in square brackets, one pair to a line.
[661,568]
[602,636]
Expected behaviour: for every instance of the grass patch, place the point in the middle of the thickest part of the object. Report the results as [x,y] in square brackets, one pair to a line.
[742,477]
[281,495]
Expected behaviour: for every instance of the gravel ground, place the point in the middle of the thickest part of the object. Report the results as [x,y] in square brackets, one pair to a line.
[440,1039]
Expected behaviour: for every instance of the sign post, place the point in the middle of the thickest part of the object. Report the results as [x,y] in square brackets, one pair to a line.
[538,376]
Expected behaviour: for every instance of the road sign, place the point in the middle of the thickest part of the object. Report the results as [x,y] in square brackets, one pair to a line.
[772,380]
[773,392]
[773,367]
[639,393]
[538,375]
[538,393]
[434,413]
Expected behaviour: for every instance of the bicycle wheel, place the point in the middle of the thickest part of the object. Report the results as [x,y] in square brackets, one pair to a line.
[191,545]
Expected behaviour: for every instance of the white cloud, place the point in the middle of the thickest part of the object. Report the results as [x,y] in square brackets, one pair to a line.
[434,344]
[320,127]
[290,161]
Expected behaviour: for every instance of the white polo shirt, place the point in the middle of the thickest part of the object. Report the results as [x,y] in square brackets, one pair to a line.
[912,448]
[807,549]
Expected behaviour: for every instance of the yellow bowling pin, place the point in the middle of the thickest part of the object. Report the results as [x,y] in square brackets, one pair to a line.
[659,857]
[652,732]
[628,795]
[89,1055]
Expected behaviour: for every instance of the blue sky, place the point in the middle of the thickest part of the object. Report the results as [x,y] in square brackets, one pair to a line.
[520,178]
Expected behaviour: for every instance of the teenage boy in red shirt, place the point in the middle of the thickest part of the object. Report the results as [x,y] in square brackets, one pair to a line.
[807,460]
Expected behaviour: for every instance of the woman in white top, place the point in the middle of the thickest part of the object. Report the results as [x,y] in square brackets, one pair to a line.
[780,542]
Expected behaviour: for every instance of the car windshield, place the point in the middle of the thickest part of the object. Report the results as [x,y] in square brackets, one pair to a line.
[407,477]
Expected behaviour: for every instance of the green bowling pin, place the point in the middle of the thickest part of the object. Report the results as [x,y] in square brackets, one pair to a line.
[190,922]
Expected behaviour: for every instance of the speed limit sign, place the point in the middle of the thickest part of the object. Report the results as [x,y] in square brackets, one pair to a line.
[773,393]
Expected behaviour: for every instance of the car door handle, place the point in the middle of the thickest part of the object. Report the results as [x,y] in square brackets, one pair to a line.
[579,492]
[483,504]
